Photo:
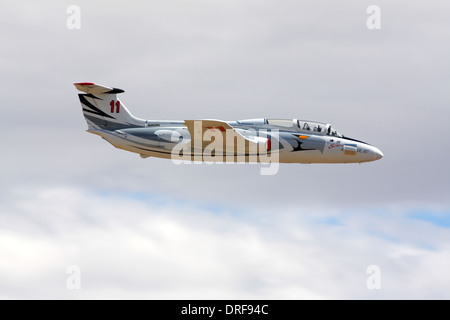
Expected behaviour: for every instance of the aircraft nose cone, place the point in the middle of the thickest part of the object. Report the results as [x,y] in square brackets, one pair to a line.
[377,153]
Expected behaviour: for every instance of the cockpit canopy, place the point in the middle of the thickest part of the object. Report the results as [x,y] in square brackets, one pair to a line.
[317,128]
[305,126]
[295,124]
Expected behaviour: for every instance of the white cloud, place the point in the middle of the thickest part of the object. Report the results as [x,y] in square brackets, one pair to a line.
[128,248]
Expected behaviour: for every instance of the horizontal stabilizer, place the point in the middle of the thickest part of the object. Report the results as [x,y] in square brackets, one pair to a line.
[93,88]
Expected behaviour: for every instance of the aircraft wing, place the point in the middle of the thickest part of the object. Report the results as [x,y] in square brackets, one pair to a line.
[205,131]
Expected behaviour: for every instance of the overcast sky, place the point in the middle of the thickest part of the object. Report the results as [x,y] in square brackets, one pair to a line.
[149,229]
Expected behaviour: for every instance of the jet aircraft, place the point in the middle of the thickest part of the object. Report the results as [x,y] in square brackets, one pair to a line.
[251,140]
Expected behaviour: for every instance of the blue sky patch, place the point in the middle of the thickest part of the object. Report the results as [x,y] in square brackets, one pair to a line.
[440,219]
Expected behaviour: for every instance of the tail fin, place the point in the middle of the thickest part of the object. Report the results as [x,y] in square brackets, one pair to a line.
[103,110]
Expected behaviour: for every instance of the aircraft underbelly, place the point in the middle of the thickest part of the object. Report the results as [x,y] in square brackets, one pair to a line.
[155,146]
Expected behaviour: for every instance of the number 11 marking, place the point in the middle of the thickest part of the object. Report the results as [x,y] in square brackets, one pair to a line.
[112,106]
